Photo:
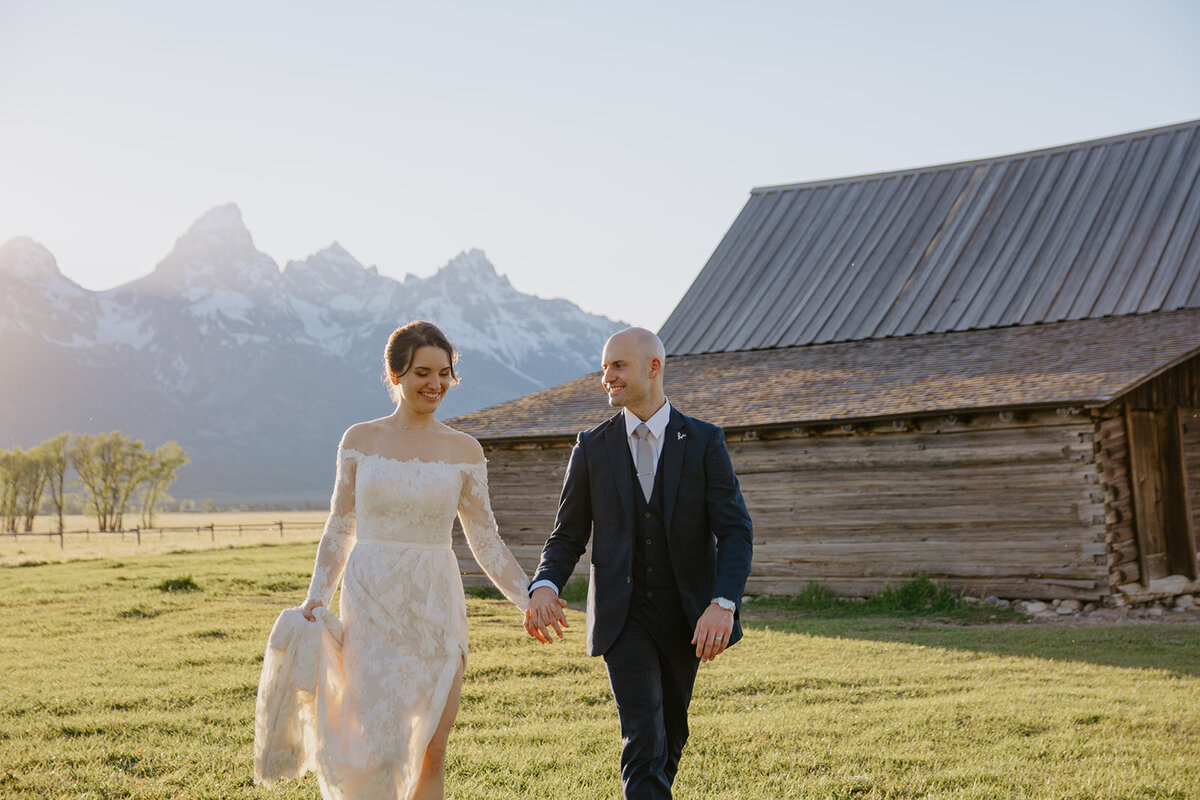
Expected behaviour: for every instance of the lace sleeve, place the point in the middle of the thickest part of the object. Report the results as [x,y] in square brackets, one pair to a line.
[479,525]
[338,538]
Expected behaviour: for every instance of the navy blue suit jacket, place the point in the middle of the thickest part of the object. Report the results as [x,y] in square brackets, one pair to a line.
[709,533]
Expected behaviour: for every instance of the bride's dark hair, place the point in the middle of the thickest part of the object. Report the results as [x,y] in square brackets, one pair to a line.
[404,343]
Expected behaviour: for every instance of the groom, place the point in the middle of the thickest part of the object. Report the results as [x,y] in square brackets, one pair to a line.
[671,548]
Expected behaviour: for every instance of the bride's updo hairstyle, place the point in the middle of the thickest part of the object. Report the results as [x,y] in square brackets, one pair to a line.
[404,342]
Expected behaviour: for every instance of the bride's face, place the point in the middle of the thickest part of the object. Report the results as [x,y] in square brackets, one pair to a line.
[427,380]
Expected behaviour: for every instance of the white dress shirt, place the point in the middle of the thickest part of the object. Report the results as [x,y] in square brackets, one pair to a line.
[657,425]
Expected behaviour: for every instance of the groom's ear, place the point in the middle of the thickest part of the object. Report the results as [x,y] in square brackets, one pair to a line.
[655,366]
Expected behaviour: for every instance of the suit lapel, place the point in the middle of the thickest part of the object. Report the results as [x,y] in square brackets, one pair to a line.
[675,440]
[616,448]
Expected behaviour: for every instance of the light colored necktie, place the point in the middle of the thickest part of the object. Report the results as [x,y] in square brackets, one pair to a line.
[644,460]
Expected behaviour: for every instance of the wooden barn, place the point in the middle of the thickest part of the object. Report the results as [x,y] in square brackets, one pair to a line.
[985,372]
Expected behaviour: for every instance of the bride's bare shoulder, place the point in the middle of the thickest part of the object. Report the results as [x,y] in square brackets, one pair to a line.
[466,449]
[361,435]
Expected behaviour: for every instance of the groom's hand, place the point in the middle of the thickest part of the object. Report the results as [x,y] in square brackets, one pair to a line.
[545,611]
[712,632]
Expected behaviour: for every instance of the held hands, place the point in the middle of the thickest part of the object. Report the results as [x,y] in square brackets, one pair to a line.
[306,608]
[545,611]
[712,632]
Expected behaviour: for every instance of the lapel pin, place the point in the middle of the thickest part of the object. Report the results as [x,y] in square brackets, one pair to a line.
[680,435]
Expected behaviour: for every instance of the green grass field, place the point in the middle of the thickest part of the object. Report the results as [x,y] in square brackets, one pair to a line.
[135,678]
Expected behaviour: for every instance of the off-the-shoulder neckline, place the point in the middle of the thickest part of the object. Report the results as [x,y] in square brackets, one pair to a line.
[361,454]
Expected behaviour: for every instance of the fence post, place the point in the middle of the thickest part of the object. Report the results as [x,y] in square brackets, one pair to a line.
[212,532]
[138,531]
[61,541]
[280,524]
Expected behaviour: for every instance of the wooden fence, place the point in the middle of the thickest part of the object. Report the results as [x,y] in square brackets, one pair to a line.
[138,532]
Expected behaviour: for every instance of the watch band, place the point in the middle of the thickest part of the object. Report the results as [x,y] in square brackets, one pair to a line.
[725,603]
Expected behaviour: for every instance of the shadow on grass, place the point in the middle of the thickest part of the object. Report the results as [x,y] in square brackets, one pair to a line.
[922,613]
[1171,647]
[925,613]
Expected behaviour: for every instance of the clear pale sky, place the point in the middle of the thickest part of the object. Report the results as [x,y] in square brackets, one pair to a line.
[595,151]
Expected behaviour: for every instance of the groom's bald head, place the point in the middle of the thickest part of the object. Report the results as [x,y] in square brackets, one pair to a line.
[645,342]
[633,370]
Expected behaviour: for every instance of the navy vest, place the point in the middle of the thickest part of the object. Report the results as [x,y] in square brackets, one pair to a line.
[654,588]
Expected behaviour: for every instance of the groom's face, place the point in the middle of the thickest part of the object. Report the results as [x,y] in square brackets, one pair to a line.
[626,374]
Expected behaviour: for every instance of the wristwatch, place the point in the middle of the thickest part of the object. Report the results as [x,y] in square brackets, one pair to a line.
[725,603]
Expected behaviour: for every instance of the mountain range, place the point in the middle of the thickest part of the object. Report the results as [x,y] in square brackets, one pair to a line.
[253,369]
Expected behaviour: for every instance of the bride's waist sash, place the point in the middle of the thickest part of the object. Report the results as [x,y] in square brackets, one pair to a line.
[400,543]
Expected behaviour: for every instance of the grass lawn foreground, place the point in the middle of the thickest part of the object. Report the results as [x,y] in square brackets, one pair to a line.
[136,679]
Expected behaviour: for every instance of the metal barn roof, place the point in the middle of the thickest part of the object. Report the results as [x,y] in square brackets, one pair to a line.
[1098,228]
[1077,363]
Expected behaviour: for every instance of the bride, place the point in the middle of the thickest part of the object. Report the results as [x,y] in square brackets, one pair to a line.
[386,698]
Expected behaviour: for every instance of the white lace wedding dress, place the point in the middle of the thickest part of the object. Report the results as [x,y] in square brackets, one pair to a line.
[380,693]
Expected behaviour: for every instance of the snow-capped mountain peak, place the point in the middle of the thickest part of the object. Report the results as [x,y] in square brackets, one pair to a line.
[217,251]
[332,282]
[219,231]
[330,264]
[471,267]
[336,254]
[24,258]
[35,295]
[29,262]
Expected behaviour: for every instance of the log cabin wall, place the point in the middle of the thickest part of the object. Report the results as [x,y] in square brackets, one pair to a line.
[990,504]
[987,505]
[1190,434]
[1179,387]
[1177,392]
[1112,462]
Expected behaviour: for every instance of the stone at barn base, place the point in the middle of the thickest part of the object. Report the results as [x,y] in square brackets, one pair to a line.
[1068,607]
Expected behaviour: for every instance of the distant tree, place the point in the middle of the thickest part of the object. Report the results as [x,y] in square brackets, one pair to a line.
[162,471]
[34,472]
[8,489]
[22,481]
[111,466]
[55,454]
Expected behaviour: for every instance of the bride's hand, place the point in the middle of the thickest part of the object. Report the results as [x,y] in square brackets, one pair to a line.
[545,611]
[307,608]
